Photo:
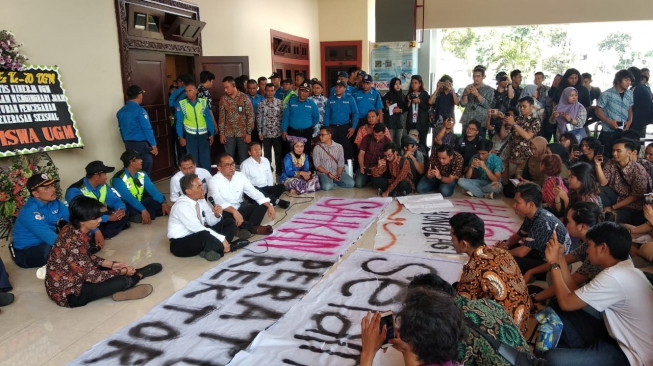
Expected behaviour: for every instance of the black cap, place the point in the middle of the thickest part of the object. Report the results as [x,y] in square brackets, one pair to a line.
[39,180]
[367,78]
[133,91]
[128,156]
[305,85]
[408,140]
[343,74]
[287,81]
[97,167]
[275,76]
[341,83]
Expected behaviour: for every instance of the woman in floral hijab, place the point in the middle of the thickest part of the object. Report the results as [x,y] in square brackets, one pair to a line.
[296,175]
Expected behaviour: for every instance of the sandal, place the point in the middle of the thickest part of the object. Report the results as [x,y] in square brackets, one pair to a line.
[134,293]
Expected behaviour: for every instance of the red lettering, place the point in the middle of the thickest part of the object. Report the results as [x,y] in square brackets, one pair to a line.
[68,132]
[47,134]
[304,246]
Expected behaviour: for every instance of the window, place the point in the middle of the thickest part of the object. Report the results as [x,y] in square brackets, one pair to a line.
[157,24]
[145,22]
[185,30]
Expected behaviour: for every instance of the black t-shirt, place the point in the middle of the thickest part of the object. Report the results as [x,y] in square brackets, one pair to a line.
[466,148]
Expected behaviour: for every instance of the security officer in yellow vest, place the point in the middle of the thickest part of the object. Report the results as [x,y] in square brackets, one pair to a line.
[144,202]
[94,185]
[196,128]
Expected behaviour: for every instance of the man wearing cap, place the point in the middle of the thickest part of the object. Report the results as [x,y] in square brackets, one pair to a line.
[37,223]
[341,116]
[94,185]
[275,79]
[320,101]
[344,77]
[143,200]
[300,116]
[173,102]
[236,120]
[415,157]
[195,126]
[368,99]
[135,127]
[288,92]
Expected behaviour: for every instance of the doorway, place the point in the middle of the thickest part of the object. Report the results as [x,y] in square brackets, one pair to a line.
[338,56]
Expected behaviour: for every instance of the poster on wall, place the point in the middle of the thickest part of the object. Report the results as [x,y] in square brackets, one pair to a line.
[393,59]
[35,112]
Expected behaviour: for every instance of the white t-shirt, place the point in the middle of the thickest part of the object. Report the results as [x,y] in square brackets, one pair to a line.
[229,193]
[183,219]
[624,295]
[260,175]
[175,187]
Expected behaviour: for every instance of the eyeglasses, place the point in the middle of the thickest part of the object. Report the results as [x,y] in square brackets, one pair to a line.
[230,165]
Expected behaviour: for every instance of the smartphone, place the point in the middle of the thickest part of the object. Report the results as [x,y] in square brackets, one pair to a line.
[620,124]
[574,147]
[599,152]
[494,111]
[648,199]
[387,319]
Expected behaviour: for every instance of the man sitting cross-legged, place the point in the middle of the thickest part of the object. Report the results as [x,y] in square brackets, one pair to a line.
[483,175]
[194,228]
[490,273]
[187,166]
[329,161]
[393,175]
[259,172]
[227,188]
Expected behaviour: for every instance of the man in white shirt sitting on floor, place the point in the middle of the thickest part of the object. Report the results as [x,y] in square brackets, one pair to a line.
[621,292]
[187,166]
[194,228]
[227,188]
[259,172]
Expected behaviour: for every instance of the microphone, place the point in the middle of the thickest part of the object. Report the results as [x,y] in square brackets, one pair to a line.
[211,201]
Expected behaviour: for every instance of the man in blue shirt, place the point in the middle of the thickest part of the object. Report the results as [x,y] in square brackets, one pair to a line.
[300,116]
[341,115]
[135,127]
[344,77]
[94,185]
[275,79]
[38,223]
[256,99]
[615,109]
[368,99]
[143,200]
[483,175]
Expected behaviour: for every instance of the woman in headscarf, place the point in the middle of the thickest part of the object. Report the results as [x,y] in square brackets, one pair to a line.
[395,122]
[296,175]
[572,78]
[569,112]
[530,170]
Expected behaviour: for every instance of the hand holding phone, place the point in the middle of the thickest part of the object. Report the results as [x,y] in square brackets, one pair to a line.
[574,147]
[600,150]
[387,320]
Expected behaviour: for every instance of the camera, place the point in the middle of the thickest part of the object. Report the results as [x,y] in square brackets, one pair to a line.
[648,199]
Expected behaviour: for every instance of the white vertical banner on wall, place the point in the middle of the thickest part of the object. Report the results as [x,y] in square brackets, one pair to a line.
[220,313]
[324,328]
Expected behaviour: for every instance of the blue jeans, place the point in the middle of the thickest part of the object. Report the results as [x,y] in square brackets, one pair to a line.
[479,187]
[327,184]
[584,341]
[428,185]
[198,146]
[143,148]
[360,180]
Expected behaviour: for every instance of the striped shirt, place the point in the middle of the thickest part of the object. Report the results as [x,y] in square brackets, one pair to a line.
[321,158]
[615,106]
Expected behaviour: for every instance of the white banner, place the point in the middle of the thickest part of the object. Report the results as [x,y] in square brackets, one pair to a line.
[399,230]
[212,318]
[324,328]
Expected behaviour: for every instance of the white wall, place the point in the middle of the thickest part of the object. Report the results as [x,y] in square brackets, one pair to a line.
[347,20]
[242,28]
[79,36]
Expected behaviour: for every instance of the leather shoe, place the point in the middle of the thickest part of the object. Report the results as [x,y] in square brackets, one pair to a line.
[264,230]
[284,204]
[149,270]
[238,244]
[6,298]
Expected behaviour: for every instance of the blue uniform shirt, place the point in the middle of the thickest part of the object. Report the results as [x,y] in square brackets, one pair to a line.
[279,93]
[339,111]
[255,102]
[176,96]
[112,201]
[124,193]
[367,101]
[300,115]
[37,223]
[179,118]
[348,91]
[134,124]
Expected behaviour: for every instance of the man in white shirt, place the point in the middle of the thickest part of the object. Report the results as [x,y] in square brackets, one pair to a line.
[259,172]
[187,166]
[194,228]
[227,188]
[620,292]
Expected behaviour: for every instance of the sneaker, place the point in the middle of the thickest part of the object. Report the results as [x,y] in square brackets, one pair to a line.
[150,270]
[489,195]
[284,204]
[6,298]
[134,293]
[136,219]
[469,193]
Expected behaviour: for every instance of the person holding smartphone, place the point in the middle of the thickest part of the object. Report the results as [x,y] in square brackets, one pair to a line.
[444,99]
[476,99]
[615,108]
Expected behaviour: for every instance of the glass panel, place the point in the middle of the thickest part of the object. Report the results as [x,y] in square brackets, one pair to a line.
[333,53]
[152,24]
[139,21]
[182,28]
[190,31]
[349,52]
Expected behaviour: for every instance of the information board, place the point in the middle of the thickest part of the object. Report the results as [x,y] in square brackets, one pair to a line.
[35,112]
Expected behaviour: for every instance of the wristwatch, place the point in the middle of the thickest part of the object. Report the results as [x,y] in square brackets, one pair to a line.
[554,266]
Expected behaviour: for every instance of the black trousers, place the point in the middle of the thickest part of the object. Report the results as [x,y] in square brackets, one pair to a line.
[624,215]
[530,261]
[252,214]
[383,183]
[110,229]
[95,291]
[271,192]
[32,257]
[153,207]
[277,144]
[203,241]
[548,130]
[339,135]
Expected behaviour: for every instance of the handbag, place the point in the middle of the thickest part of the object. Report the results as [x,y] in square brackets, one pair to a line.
[514,356]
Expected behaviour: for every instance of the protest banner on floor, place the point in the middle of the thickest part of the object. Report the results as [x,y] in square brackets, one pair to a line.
[324,328]
[401,231]
[220,313]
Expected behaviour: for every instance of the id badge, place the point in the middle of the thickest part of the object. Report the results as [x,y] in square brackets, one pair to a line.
[241,109]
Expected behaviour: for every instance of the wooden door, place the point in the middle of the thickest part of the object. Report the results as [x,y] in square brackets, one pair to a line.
[220,66]
[149,72]
[289,70]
